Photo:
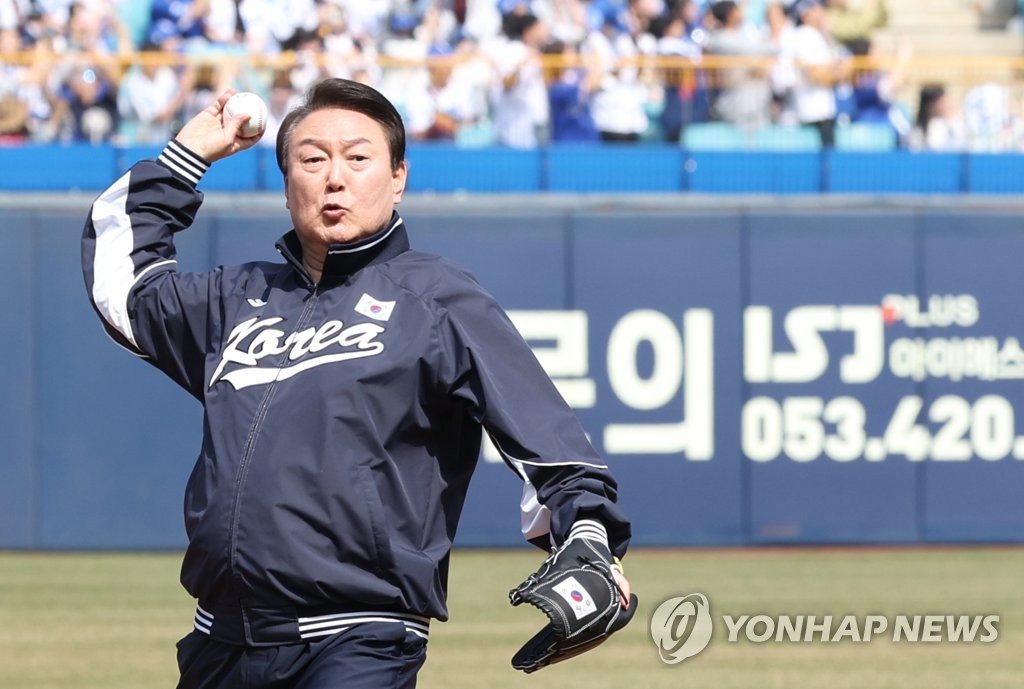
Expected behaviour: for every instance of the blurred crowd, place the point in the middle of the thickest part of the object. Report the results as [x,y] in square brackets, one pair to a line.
[517,73]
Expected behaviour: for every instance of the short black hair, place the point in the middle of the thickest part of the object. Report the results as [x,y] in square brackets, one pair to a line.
[722,9]
[659,25]
[859,46]
[515,25]
[345,94]
[928,96]
[799,8]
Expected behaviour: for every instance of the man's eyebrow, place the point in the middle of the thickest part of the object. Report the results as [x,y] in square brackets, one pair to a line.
[346,143]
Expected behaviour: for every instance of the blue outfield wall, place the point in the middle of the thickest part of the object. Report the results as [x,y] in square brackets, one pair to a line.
[781,374]
[584,168]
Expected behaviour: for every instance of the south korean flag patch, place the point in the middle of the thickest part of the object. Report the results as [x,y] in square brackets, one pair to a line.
[576,589]
[579,600]
[374,308]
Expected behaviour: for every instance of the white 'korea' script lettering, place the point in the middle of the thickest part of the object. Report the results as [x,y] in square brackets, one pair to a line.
[256,338]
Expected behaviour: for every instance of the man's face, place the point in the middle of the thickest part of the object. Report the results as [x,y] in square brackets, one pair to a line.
[815,17]
[735,18]
[648,9]
[537,35]
[340,186]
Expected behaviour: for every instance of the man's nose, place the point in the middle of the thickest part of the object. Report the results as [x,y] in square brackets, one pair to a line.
[336,173]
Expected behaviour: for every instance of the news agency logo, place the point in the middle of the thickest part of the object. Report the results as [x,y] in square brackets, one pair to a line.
[681,628]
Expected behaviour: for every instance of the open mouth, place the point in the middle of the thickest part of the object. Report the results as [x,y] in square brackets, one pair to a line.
[333,210]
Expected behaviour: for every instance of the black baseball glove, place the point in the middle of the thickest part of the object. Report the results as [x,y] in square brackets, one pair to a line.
[576,589]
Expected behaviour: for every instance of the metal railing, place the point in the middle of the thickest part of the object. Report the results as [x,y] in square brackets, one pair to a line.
[707,77]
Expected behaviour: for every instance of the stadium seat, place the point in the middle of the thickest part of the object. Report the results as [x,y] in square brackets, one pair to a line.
[865,136]
[788,139]
[714,136]
[654,132]
[477,135]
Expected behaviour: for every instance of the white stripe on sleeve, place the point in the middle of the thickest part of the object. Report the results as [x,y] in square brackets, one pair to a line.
[182,161]
[588,528]
[535,517]
[113,269]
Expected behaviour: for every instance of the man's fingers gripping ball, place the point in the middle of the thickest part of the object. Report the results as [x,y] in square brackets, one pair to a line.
[576,588]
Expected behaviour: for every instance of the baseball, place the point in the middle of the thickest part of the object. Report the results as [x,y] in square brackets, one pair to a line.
[246,103]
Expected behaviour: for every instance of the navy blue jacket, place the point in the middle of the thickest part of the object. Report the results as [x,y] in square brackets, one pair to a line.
[342,419]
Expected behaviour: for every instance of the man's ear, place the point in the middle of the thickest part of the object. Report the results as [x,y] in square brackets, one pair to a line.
[398,180]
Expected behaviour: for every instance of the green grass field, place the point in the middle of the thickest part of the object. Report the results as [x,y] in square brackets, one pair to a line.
[109,621]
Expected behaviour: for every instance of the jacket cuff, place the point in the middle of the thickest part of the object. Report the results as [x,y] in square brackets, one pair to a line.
[588,528]
[184,163]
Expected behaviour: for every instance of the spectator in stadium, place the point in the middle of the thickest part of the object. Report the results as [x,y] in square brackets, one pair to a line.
[819,65]
[567,20]
[874,91]
[685,99]
[367,19]
[38,24]
[988,118]
[175,24]
[778,29]
[520,7]
[343,50]
[639,15]
[478,19]
[281,99]
[940,126]
[80,69]
[225,24]
[572,84]
[519,95]
[289,18]
[11,13]
[452,100]
[407,42]
[96,28]
[243,26]
[619,106]
[150,98]
[207,81]
[744,96]
[93,39]
[264,27]
[14,114]
[310,59]
[29,85]
[89,97]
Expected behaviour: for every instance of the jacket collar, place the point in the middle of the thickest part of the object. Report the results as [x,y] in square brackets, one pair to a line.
[345,259]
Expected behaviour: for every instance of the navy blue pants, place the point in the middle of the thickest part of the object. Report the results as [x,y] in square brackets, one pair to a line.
[373,655]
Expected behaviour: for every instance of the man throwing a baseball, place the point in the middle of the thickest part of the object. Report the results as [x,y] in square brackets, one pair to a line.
[345,391]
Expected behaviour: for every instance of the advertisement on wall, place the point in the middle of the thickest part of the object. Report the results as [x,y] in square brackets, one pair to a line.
[778,376]
[791,381]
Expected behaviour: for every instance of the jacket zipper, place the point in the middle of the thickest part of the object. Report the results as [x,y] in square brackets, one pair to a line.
[250,443]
